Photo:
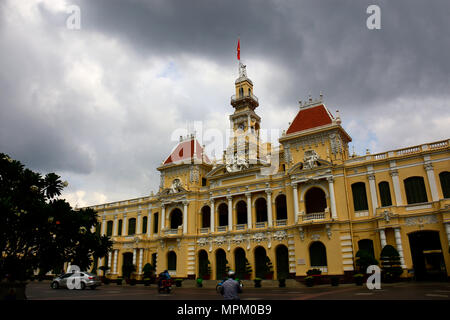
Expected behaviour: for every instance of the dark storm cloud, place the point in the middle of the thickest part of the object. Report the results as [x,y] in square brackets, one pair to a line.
[90,105]
[325,44]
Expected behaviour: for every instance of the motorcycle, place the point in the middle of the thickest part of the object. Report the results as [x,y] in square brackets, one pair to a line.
[165,285]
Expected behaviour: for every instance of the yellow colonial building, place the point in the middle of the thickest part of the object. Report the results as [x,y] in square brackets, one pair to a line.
[306,203]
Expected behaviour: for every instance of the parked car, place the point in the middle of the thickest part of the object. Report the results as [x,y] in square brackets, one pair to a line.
[79,280]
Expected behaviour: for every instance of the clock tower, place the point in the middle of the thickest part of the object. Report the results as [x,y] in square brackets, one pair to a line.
[244,124]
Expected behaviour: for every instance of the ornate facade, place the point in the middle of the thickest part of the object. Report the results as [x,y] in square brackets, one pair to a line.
[305,204]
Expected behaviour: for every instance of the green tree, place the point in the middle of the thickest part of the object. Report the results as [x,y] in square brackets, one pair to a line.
[148,270]
[364,260]
[390,263]
[128,269]
[38,230]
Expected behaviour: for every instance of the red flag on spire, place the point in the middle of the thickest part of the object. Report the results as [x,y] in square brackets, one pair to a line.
[239,50]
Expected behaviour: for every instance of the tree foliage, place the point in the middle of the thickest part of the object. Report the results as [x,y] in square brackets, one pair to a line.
[390,263]
[38,230]
[364,260]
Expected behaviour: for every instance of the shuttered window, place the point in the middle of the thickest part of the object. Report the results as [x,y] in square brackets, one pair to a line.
[385,194]
[415,190]
[359,196]
[444,177]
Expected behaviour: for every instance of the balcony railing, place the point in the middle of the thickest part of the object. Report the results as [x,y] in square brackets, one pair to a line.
[260,225]
[222,229]
[313,216]
[402,152]
[171,231]
[281,222]
[235,98]
[241,226]
[204,230]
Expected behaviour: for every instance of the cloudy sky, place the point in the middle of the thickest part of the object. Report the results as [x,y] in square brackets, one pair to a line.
[100,105]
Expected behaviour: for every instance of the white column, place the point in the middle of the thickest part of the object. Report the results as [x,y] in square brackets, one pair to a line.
[269,208]
[138,223]
[447,228]
[295,193]
[249,210]
[213,216]
[163,217]
[141,255]
[382,238]
[124,225]
[103,231]
[134,256]
[109,259]
[149,223]
[396,183]
[115,227]
[230,213]
[185,216]
[373,193]
[398,242]
[332,198]
[432,181]
[115,261]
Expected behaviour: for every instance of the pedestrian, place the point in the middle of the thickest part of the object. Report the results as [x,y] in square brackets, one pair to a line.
[231,288]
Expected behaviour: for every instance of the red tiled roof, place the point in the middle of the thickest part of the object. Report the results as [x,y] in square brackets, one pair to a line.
[185,151]
[310,118]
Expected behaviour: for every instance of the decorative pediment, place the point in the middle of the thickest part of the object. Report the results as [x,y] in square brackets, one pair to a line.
[301,167]
[176,187]
[224,170]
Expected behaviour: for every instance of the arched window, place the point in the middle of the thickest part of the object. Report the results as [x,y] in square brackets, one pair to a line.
[241,212]
[315,200]
[144,225]
[367,245]
[221,264]
[282,261]
[176,218]
[318,254]
[223,214]
[172,261]
[280,203]
[240,263]
[203,264]
[109,228]
[385,194]
[206,217]
[155,222]
[415,190]
[131,226]
[359,196]
[119,228]
[261,210]
[241,92]
[260,262]
[444,177]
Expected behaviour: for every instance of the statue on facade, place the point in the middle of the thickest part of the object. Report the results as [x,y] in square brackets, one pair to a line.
[309,160]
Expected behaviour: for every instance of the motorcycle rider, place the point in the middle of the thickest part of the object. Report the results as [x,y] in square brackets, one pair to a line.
[163,276]
[231,288]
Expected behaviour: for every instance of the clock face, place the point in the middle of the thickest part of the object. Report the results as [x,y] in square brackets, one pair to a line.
[241,126]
